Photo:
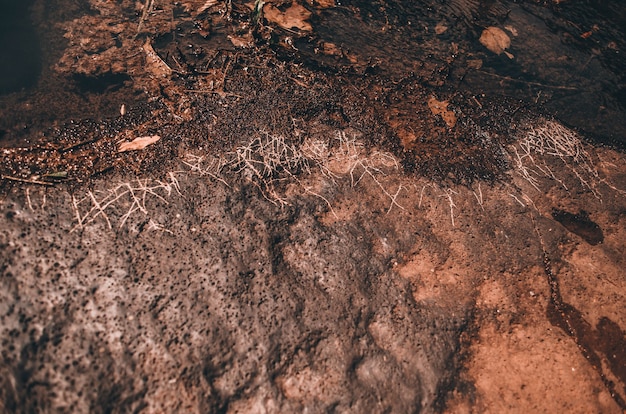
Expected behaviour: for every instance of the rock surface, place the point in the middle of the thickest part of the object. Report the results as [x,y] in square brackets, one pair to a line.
[215,299]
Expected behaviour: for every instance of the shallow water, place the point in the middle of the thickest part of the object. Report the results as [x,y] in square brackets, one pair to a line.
[34,97]
[568,63]
[19,47]
[566,60]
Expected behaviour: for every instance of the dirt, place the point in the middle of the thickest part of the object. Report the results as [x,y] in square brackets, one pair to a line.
[355,207]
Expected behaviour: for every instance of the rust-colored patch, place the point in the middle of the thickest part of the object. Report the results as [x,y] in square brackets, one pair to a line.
[295,16]
[441,108]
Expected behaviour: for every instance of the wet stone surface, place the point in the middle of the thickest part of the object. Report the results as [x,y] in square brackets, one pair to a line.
[244,306]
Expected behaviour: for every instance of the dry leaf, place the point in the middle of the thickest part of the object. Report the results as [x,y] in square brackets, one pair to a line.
[495,40]
[324,4]
[295,16]
[206,6]
[154,64]
[586,34]
[474,64]
[441,108]
[331,49]
[244,41]
[138,143]
[440,28]
[511,30]
[197,7]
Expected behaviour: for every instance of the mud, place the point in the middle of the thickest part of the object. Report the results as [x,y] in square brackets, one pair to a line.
[353,207]
[237,298]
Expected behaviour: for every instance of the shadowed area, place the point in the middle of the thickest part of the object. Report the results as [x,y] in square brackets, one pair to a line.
[19,47]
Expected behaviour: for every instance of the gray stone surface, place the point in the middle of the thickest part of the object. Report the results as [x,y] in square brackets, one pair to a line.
[238,306]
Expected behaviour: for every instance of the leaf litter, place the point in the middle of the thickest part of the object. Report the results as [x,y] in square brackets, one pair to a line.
[138,143]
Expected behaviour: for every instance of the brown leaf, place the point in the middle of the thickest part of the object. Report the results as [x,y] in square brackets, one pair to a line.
[474,63]
[440,28]
[207,5]
[495,40]
[324,4]
[441,108]
[295,16]
[138,143]
[331,49]
[154,64]
[244,41]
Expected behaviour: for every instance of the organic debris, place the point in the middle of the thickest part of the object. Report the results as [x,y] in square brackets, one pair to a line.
[324,4]
[441,108]
[207,5]
[154,64]
[138,143]
[440,28]
[496,41]
[56,176]
[295,16]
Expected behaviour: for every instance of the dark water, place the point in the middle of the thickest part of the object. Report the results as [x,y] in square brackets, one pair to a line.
[34,97]
[570,60]
[605,340]
[20,54]
[580,224]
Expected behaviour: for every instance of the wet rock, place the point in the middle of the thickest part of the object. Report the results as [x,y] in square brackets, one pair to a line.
[246,306]
[214,298]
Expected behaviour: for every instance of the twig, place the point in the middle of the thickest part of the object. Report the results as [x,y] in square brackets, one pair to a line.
[80,144]
[30,205]
[508,78]
[479,197]
[393,199]
[147,8]
[27,181]
[517,199]
[152,225]
[101,210]
[79,219]
[419,205]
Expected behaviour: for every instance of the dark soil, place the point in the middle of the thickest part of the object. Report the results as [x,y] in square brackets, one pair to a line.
[369,66]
